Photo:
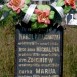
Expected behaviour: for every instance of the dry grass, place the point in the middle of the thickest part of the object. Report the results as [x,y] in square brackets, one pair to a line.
[7,51]
[70,52]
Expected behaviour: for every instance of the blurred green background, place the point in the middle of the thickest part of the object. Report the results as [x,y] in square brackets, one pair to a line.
[7,49]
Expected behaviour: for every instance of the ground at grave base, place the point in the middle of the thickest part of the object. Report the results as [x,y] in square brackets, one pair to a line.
[7,37]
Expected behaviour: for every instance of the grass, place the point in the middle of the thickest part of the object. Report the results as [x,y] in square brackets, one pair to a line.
[7,51]
[70,52]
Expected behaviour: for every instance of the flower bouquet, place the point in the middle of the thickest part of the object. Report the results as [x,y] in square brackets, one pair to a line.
[40,16]
[67,5]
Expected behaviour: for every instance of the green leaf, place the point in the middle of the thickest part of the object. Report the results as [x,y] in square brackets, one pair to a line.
[41,25]
[34,26]
[67,9]
[25,8]
[34,18]
[5,8]
[13,13]
[43,7]
[37,25]
[27,1]
[60,3]
[51,16]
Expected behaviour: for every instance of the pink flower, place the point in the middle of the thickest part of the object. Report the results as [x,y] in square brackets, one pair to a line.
[70,3]
[16,5]
[43,16]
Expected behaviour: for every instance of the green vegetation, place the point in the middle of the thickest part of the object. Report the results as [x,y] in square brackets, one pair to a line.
[7,41]
[7,49]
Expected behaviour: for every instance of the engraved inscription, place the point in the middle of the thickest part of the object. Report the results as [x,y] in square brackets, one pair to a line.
[38,54]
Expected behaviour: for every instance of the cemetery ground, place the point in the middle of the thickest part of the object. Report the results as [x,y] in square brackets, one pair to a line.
[7,50]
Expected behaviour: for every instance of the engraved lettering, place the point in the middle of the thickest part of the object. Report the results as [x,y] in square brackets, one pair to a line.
[45,71]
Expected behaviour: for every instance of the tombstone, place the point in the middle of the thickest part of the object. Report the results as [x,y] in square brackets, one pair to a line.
[71,18]
[38,53]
